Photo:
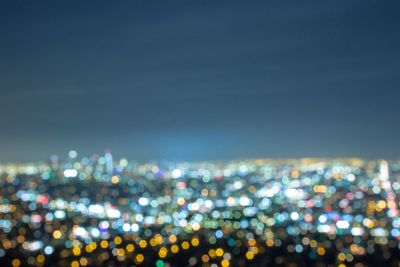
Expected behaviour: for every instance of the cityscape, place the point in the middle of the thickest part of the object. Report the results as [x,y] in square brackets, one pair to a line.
[199,133]
[101,211]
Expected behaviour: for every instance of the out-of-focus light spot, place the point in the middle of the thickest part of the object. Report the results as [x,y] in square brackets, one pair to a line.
[126,227]
[113,213]
[320,188]
[80,232]
[48,250]
[181,201]
[104,244]
[195,242]
[294,216]
[160,263]
[174,249]
[143,201]
[70,173]
[185,245]
[83,261]
[177,173]
[115,179]
[357,231]
[60,214]
[16,263]
[205,258]
[130,247]
[72,154]
[134,227]
[342,224]
[139,258]
[224,263]
[143,243]
[57,234]
[219,252]
[249,255]
[76,251]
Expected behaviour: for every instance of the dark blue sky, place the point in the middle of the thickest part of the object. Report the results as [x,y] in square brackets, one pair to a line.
[193,80]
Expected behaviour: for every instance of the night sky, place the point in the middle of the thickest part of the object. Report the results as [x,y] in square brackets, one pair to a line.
[197,80]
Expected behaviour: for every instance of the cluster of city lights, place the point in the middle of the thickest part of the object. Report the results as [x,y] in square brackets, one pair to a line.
[97,211]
